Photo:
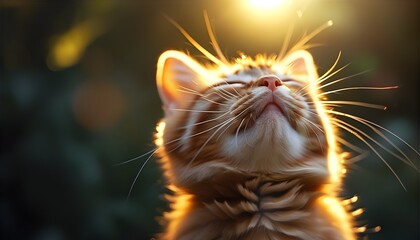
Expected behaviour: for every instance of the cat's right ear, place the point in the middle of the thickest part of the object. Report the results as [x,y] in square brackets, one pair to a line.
[179,79]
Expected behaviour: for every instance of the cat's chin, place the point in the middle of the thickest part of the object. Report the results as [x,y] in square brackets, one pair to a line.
[271,143]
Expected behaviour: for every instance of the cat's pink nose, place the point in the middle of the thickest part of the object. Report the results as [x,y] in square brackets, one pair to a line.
[271,81]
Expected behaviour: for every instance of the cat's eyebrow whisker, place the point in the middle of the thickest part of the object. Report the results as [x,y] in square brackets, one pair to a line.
[213,39]
[374,127]
[286,42]
[348,128]
[302,43]
[356,88]
[200,48]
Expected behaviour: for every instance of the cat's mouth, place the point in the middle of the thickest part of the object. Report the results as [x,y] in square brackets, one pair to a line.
[271,107]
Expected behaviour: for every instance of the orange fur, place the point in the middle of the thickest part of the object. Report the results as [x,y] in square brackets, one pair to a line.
[276,194]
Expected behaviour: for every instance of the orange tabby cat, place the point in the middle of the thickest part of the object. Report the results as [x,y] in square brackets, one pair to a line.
[248,149]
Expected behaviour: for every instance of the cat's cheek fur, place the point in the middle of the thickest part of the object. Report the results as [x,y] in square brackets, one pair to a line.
[269,145]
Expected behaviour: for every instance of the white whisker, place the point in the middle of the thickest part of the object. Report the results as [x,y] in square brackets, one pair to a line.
[349,127]
[354,103]
[196,111]
[356,88]
[369,124]
[237,132]
[138,174]
[340,79]
[203,122]
[136,158]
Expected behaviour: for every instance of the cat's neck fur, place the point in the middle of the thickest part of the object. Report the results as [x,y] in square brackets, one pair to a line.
[255,206]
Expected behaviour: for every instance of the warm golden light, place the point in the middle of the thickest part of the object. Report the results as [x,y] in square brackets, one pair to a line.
[67,49]
[266,4]
[357,212]
[160,128]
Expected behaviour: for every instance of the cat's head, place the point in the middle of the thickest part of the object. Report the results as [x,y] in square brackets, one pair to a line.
[251,115]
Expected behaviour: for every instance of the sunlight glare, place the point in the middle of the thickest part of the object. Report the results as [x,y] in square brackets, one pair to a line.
[266,4]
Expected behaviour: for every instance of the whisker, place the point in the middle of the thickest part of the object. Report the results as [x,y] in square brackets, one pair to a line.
[303,41]
[213,39]
[369,124]
[206,53]
[316,134]
[218,137]
[286,41]
[349,145]
[354,103]
[237,132]
[356,88]
[324,78]
[218,129]
[205,97]
[197,111]
[229,94]
[342,125]
[136,158]
[203,122]
[325,75]
[246,126]
[208,140]
[138,174]
[358,158]
[341,79]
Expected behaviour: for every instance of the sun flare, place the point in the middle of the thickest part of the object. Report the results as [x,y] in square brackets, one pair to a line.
[266,4]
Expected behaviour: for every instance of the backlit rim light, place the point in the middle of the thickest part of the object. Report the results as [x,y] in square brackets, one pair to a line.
[265,4]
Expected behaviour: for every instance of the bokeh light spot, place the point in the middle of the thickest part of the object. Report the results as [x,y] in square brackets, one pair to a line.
[98,105]
[67,49]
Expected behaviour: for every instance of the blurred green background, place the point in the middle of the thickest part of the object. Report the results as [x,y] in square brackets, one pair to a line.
[78,95]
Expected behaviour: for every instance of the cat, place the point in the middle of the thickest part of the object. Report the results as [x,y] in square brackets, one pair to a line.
[249,148]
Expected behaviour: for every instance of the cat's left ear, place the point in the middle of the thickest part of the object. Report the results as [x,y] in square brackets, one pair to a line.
[179,79]
[300,64]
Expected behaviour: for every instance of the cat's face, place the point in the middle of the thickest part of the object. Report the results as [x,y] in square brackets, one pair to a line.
[253,115]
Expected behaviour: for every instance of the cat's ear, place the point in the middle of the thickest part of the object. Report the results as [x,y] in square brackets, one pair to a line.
[179,79]
[300,64]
